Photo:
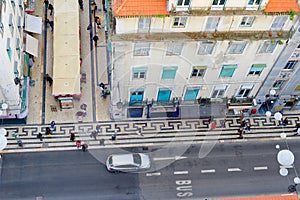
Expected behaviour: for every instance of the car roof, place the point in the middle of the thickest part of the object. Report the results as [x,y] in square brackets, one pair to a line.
[125,159]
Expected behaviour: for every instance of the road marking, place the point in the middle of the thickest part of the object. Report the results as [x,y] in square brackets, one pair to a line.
[153,174]
[234,169]
[260,168]
[170,158]
[208,171]
[181,172]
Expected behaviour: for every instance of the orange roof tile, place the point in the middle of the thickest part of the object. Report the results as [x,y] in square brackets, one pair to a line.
[282,6]
[282,197]
[123,8]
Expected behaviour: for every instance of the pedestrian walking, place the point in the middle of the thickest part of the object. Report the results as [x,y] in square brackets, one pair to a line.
[114,136]
[51,24]
[248,127]
[93,8]
[80,2]
[50,7]
[94,135]
[49,79]
[102,142]
[96,38]
[84,147]
[102,86]
[223,123]
[285,121]
[46,2]
[213,125]
[98,127]
[40,136]
[78,144]
[72,137]
[52,124]
[241,131]
[48,131]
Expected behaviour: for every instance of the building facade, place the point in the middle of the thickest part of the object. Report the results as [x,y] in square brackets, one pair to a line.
[181,51]
[11,59]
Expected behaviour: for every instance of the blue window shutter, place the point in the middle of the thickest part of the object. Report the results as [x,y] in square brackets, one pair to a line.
[191,94]
[258,67]
[169,72]
[228,70]
[163,95]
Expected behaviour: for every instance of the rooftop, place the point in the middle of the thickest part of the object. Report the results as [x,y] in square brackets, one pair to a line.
[124,8]
[282,6]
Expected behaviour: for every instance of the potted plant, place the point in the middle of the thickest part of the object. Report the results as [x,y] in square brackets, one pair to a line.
[215,34]
[205,34]
[270,33]
[279,33]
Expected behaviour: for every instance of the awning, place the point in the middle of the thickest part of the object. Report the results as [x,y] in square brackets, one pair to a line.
[32,45]
[33,24]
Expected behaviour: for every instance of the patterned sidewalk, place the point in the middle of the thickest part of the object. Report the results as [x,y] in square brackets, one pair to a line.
[141,133]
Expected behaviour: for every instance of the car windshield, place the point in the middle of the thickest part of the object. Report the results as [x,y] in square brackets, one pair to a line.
[137,159]
[110,160]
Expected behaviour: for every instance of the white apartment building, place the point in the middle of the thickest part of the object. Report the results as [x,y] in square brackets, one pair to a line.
[185,50]
[11,59]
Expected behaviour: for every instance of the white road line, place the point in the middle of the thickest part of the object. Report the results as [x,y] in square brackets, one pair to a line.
[208,171]
[153,174]
[181,172]
[260,168]
[234,169]
[170,158]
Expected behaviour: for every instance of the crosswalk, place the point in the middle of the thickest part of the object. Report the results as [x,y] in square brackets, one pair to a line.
[142,133]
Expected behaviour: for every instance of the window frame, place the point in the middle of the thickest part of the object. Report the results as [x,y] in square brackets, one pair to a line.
[180,24]
[247,20]
[243,89]
[219,3]
[174,48]
[213,24]
[269,46]
[253,73]
[8,48]
[290,65]
[139,73]
[278,23]
[139,90]
[216,92]
[280,83]
[201,70]
[141,49]
[208,47]
[237,45]
[228,67]
[254,2]
[169,72]
[144,24]
[183,3]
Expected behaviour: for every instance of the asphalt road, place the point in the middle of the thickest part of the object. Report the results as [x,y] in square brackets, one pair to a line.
[230,169]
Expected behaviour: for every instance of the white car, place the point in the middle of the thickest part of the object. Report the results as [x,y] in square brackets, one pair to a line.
[127,162]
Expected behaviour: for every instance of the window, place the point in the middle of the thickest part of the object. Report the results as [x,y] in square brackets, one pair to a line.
[164,95]
[144,24]
[179,22]
[247,21]
[244,91]
[169,72]
[278,22]
[8,48]
[11,25]
[256,69]
[219,91]
[290,64]
[268,47]
[136,95]
[191,94]
[198,71]
[141,49]
[174,48]
[16,71]
[139,72]
[206,48]
[254,2]
[228,70]
[18,46]
[21,5]
[212,23]
[237,47]
[13,4]
[218,2]
[19,24]
[278,84]
[1,28]
[183,2]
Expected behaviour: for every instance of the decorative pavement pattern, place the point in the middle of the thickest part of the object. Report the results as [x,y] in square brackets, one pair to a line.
[142,133]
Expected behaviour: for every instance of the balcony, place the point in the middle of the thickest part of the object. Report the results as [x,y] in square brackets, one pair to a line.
[218,36]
